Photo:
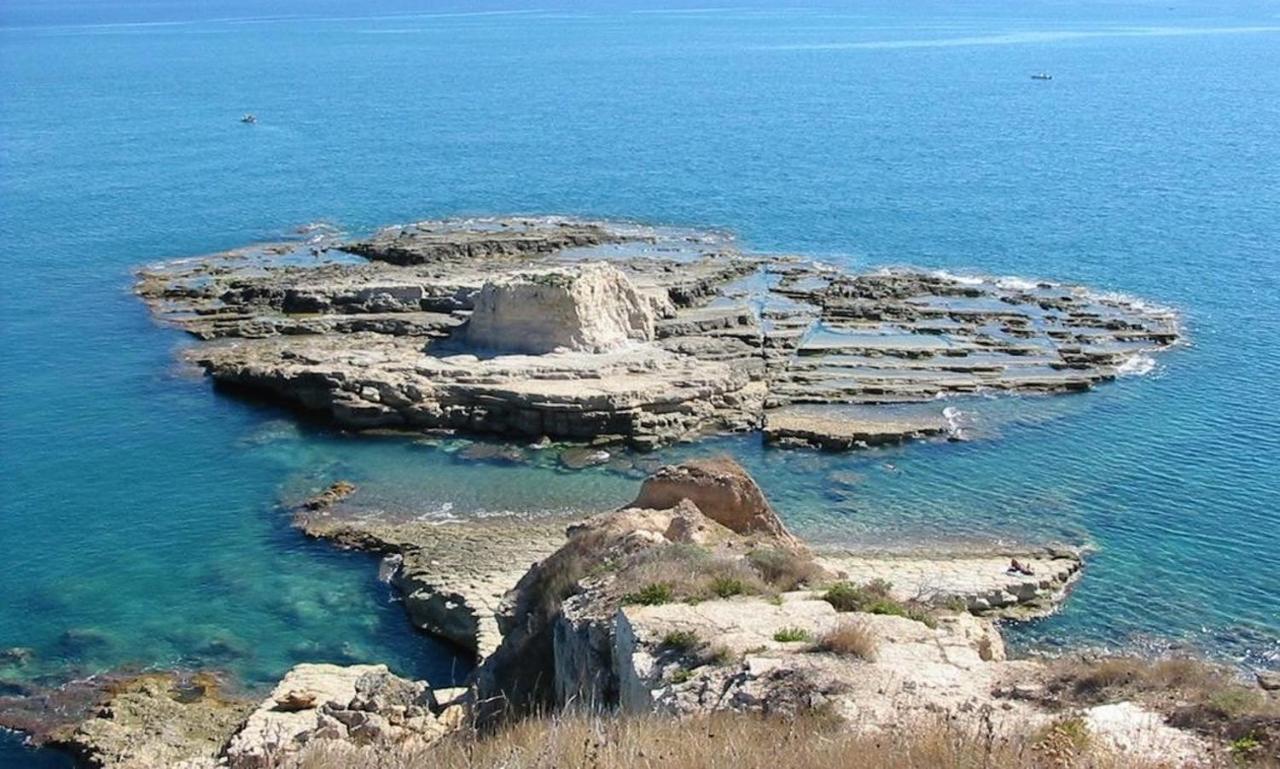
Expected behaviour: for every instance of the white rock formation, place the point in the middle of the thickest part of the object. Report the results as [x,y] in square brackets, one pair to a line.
[1129,729]
[591,308]
[358,704]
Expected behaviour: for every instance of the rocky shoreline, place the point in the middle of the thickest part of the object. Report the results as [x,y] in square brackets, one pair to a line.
[601,332]
[694,599]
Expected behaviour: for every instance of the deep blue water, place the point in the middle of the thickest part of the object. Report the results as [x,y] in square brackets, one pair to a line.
[141,520]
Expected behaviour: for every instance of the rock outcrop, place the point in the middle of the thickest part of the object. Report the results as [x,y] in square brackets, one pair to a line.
[557,634]
[736,661]
[983,582]
[590,309]
[452,575]
[833,432]
[428,242]
[599,332]
[360,704]
[721,490]
[132,721]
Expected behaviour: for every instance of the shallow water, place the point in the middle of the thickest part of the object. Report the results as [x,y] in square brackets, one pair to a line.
[141,518]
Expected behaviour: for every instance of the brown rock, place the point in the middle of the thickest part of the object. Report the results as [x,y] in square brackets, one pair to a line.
[295,700]
[722,490]
[336,492]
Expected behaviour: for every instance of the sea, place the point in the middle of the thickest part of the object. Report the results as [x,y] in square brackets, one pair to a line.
[144,517]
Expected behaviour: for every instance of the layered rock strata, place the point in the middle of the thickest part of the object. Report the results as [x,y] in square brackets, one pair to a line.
[983,582]
[593,331]
[452,575]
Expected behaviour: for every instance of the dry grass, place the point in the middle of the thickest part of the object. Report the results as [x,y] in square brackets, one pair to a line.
[728,740]
[1192,694]
[685,573]
[783,569]
[850,639]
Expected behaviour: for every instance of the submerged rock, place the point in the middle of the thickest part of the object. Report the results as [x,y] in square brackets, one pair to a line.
[452,574]
[835,432]
[123,721]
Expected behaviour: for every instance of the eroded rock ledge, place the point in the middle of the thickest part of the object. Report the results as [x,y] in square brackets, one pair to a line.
[598,331]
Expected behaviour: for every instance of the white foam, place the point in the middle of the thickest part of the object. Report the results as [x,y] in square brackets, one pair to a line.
[1119,299]
[1016,284]
[1138,365]
[964,280]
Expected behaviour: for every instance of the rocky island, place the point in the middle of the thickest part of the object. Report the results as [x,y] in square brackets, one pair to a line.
[602,332]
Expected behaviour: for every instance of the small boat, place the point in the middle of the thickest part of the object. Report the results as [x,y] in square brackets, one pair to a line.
[249,118]
[1042,76]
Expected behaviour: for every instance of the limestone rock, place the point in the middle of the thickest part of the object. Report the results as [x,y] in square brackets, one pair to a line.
[427,242]
[1131,730]
[592,308]
[678,335]
[740,665]
[557,622]
[834,432]
[721,489]
[153,720]
[521,673]
[980,581]
[453,575]
[359,704]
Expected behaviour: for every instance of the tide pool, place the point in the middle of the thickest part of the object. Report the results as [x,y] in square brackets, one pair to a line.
[144,519]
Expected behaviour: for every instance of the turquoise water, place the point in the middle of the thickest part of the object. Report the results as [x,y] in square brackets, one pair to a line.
[141,514]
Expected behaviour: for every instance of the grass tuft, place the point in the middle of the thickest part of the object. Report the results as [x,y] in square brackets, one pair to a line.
[850,639]
[791,634]
[652,594]
[681,640]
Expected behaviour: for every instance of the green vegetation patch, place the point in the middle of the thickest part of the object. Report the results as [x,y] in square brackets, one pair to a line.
[873,598]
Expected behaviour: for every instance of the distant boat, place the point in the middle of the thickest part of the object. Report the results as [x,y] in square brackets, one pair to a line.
[249,117]
[1042,76]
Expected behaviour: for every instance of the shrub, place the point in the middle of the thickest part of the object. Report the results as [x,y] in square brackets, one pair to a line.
[783,569]
[1063,741]
[790,634]
[724,586]
[652,594]
[681,640]
[844,596]
[1235,701]
[874,598]
[680,675]
[850,639]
